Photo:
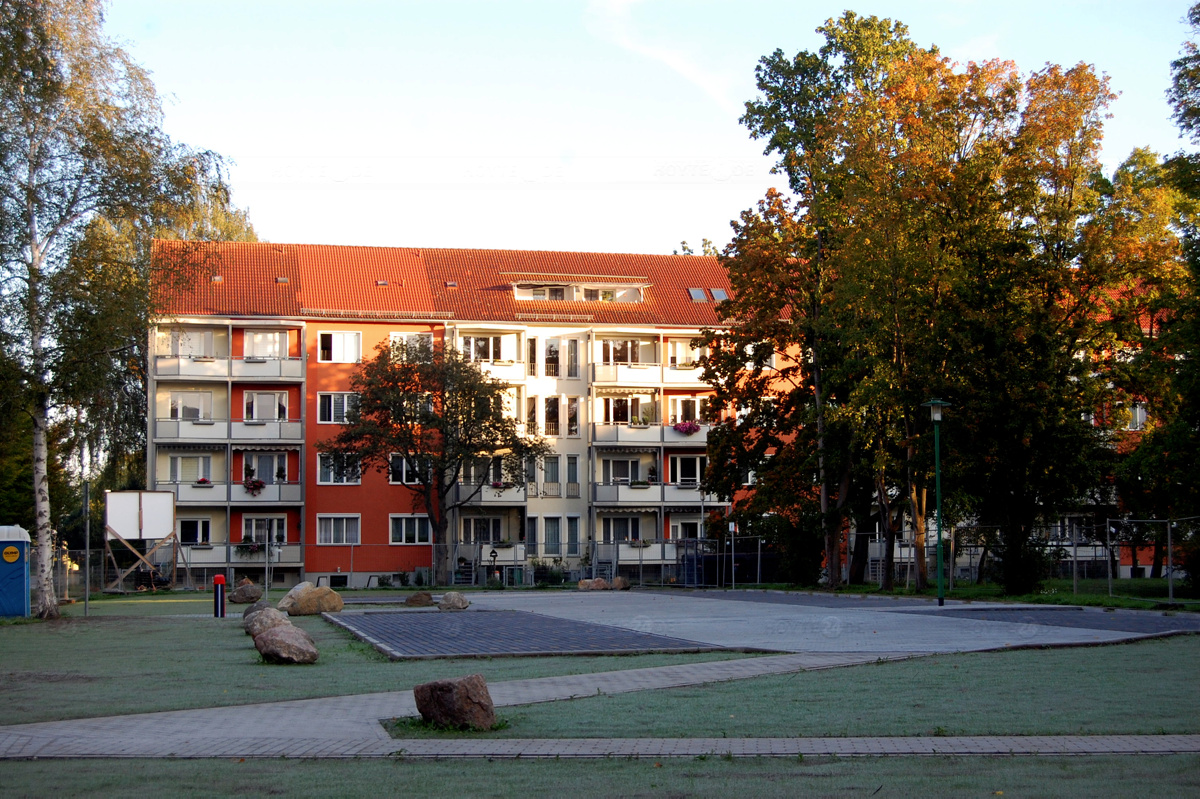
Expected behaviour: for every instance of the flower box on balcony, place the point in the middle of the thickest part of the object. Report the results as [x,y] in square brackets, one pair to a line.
[686,428]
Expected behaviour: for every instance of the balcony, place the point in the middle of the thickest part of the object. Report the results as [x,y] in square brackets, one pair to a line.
[509,371]
[627,493]
[684,375]
[272,492]
[196,493]
[628,553]
[192,429]
[225,553]
[626,433]
[626,374]
[687,494]
[491,494]
[191,366]
[506,554]
[268,430]
[268,368]
[698,438]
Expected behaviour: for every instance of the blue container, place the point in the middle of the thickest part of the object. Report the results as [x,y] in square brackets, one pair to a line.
[14,571]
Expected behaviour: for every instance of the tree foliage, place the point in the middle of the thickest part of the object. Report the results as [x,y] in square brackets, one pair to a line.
[951,221]
[80,143]
[437,413]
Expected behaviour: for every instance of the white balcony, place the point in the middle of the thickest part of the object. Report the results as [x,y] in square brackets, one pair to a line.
[191,429]
[687,494]
[254,430]
[506,554]
[491,494]
[673,436]
[196,493]
[268,368]
[684,375]
[628,493]
[626,433]
[509,371]
[272,492]
[626,374]
[655,552]
[190,366]
[223,553]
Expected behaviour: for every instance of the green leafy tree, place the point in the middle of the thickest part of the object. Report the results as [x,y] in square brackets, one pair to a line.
[80,139]
[438,413]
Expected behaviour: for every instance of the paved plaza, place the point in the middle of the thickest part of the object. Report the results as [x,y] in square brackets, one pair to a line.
[814,632]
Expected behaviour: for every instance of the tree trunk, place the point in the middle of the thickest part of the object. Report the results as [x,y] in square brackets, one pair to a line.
[917,498]
[858,559]
[889,536]
[46,603]
[983,555]
[1156,565]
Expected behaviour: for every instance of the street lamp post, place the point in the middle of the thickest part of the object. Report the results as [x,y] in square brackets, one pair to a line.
[935,412]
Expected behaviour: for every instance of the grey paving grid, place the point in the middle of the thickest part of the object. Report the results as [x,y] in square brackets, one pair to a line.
[481,633]
[1144,622]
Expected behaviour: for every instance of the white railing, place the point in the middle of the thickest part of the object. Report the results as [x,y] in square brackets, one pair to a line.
[267,368]
[489,494]
[268,430]
[191,366]
[203,429]
[628,493]
[272,492]
[687,494]
[626,373]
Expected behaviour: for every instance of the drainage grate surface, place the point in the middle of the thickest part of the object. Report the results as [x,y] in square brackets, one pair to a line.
[423,634]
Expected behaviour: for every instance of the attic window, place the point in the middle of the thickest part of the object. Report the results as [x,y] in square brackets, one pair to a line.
[381,282]
[697,295]
[217,278]
[720,295]
[281,280]
[451,284]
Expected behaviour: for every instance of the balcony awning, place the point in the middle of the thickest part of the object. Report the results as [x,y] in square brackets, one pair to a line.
[208,446]
[279,447]
[640,447]
[631,389]
[624,510]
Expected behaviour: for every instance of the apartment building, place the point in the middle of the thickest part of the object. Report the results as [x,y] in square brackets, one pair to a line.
[251,367]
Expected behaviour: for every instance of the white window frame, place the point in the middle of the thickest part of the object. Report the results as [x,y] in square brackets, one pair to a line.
[186,343]
[397,463]
[327,527]
[251,459]
[572,535]
[490,526]
[203,530]
[265,344]
[552,542]
[573,423]
[338,341]
[278,407]
[177,403]
[676,461]
[411,341]
[332,406]
[411,527]
[632,525]
[277,534]
[203,468]
[608,470]
[481,349]
[608,351]
[572,348]
[327,474]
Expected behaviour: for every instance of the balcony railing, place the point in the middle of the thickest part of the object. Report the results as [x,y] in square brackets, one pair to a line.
[636,433]
[191,366]
[684,374]
[193,429]
[490,493]
[630,553]
[267,368]
[627,493]
[197,492]
[238,554]
[504,370]
[268,429]
[272,492]
[687,494]
[220,492]
[225,366]
[626,373]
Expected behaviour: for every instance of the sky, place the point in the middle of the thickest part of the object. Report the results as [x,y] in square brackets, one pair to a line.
[601,126]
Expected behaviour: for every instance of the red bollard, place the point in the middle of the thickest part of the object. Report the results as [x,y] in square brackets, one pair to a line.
[219,596]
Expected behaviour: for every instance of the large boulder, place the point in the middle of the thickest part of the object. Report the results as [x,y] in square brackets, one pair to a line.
[318,600]
[290,597]
[286,643]
[462,703]
[421,599]
[258,623]
[255,608]
[599,584]
[245,594]
[620,584]
[453,600]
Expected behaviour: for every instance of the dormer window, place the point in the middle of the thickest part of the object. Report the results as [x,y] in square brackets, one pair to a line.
[697,295]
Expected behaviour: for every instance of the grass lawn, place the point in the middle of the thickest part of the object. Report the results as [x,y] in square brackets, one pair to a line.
[1142,593]
[143,653]
[929,776]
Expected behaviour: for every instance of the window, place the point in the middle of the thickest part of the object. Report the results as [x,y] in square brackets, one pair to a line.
[572,535]
[337,529]
[1137,417]
[551,485]
[264,529]
[401,472]
[621,528]
[572,357]
[683,354]
[270,467]
[573,416]
[688,409]
[190,468]
[266,344]
[483,470]
[600,295]
[339,347]
[619,351]
[622,410]
[481,530]
[266,406]
[337,469]
[194,531]
[186,343]
[720,295]
[531,368]
[332,407]
[410,529]
[687,470]
[553,528]
[416,345]
[191,405]
[531,404]
[531,536]
[572,476]
[619,470]
[686,529]
[552,416]
[697,295]
[481,348]
[551,357]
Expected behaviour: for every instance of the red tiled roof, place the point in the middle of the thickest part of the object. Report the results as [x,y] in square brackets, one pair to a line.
[466,285]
